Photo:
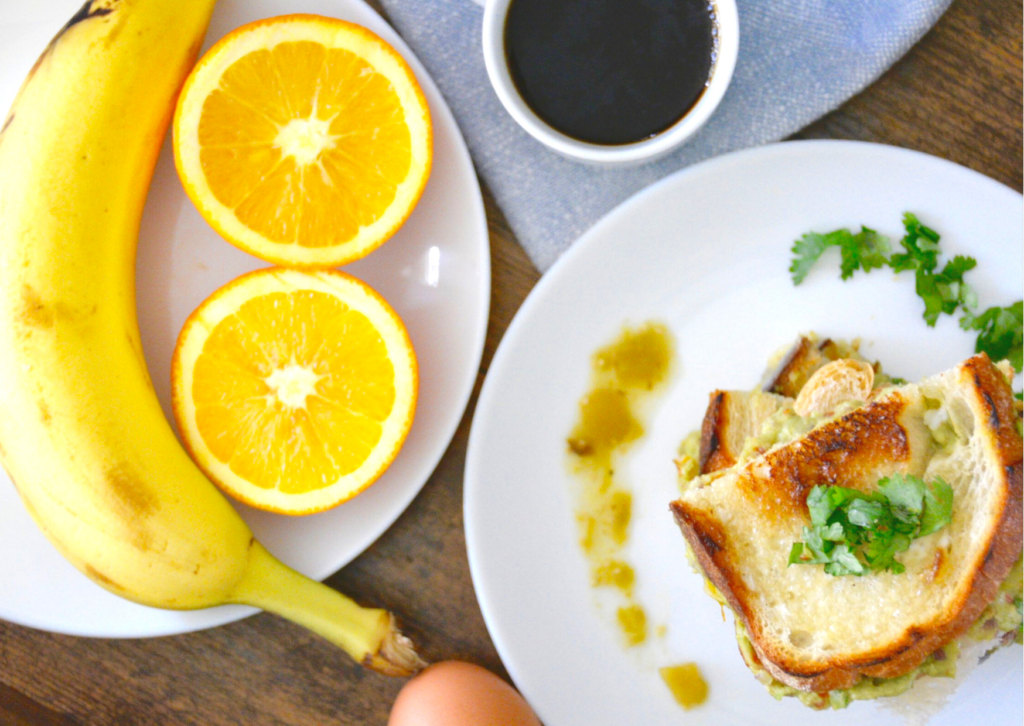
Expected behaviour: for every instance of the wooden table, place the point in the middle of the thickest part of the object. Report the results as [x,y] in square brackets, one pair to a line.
[956,95]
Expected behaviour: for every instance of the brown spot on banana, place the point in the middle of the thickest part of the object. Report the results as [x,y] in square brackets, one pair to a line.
[91,9]
[130,492]
[34,312]
[140,537]
[93,574]
[44,413]
[39,314]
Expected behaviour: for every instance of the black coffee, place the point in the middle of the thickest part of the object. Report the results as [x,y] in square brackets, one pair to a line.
[610,71]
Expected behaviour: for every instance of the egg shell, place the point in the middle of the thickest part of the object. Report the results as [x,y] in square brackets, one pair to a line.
[454,693]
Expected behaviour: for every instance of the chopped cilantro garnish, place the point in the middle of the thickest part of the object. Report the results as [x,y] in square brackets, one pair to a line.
[946,291]
[1001,330]
[866,250]
[806,252]
[943,292]
[854,532]
[921,244]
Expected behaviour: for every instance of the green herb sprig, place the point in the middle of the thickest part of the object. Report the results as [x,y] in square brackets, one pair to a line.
[853,532]
[865,250]
[1002,332]
[1001,329]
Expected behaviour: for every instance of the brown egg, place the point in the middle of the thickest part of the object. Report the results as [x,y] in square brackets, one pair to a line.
[459,694]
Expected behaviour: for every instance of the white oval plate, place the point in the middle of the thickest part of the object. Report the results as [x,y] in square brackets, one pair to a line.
[435,272]
[707,252]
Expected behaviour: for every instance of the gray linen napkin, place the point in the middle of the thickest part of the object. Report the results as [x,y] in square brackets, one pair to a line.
[798,60]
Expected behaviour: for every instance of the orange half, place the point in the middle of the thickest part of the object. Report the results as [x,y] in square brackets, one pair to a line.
[303,140]
[294,391]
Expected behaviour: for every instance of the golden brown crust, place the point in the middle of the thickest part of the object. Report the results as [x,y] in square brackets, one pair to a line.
[994,396]
[714,452]
[710,545]
[829,455]
[797,367]
[995,405]
[830,349]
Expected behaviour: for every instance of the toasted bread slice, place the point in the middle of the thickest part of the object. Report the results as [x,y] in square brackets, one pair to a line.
[734,416]
[789,371]
[797,365]
[816,632]
[731,418]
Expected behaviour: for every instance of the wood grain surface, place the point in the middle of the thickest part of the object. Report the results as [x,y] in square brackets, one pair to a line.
[956,95]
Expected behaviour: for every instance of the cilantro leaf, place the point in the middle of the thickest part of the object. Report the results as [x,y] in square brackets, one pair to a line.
[806,252]
[819,504]
[881,552]
[795,553]
[866,250]
[921,244]
[832,533]
[808,249]
[905,495]
[822,501]
[865,513]
[951,285]
[854,532]
[811,551]
[874,249]
[938,507]
[844,562]
[929,293]
[1002,332]
[946,291]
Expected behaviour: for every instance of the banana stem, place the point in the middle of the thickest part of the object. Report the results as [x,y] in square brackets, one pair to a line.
[369,635]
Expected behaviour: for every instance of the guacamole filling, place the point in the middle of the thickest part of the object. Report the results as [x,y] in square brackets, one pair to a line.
[785,426]
[1000,622]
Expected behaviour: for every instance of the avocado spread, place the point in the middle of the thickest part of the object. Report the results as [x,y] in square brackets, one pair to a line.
[786,425]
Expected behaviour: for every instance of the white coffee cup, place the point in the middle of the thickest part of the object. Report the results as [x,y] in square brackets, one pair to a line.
[728,29]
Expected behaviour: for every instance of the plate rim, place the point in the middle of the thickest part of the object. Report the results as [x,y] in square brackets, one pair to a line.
[580,248]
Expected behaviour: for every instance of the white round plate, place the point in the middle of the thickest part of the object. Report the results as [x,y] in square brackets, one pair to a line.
[435,272]
[707,252]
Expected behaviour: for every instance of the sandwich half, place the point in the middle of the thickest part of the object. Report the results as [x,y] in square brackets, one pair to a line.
[832,638]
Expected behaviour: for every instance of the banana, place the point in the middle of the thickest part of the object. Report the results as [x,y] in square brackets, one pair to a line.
[82,434]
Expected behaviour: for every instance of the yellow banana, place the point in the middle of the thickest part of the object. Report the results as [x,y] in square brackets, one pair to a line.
[82,434]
